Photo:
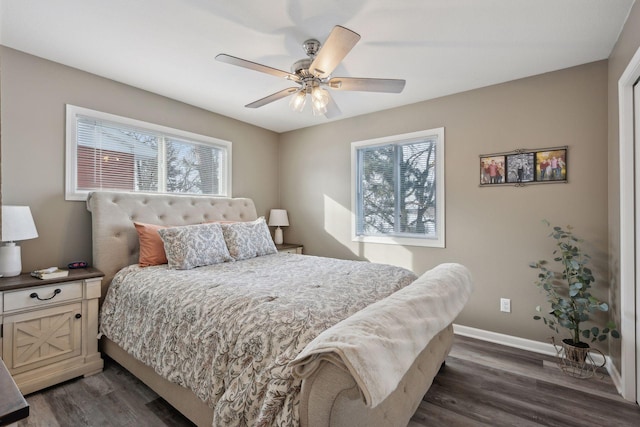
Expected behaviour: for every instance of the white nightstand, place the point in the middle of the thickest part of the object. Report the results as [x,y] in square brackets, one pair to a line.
[290,248]
[50,328]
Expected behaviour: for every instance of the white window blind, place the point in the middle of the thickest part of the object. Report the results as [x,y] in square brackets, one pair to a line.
[107,152]
[398,189]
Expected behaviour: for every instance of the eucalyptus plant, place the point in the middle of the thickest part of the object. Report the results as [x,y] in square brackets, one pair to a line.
[568,290]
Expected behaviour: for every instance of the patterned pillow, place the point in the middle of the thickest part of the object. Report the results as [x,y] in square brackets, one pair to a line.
[192,246]
[248,239]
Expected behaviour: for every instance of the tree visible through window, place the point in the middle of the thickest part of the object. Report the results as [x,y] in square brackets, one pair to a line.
[107,152]
[399,189]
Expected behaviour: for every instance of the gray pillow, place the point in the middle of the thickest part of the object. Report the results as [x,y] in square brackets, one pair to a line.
[248,239]
[192,246]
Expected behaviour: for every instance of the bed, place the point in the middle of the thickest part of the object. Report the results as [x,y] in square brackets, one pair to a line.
[322,376]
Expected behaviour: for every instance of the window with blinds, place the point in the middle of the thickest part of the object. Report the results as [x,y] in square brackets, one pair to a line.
[108,152]
[398,189]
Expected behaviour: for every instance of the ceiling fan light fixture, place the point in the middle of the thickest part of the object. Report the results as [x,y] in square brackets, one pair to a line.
[318,108]
[298,101]
[320,96]
[319,111]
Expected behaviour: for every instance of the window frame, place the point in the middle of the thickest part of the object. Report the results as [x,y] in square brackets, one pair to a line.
[71,150]
[409,239]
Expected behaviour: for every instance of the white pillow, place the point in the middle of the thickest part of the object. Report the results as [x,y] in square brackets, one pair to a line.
[248,239]
[192,246]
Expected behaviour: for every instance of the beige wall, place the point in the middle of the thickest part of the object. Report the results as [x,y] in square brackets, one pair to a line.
[626,46]
[496,231]
[34,94]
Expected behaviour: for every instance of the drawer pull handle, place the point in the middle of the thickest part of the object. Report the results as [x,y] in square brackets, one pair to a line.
[78,315]
[35,295]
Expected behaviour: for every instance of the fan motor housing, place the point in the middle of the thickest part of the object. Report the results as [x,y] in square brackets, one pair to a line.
[301,67]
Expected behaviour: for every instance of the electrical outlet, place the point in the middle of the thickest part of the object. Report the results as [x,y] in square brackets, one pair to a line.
[505,305]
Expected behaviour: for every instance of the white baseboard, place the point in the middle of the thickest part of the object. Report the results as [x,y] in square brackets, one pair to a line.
[615,375]
[533,346]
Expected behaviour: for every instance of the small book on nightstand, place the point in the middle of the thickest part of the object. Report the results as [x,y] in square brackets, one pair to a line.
[50,273]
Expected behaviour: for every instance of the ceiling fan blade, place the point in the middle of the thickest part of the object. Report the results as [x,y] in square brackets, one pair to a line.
[273,97]
[338,44]
[367,85]
[256,67]
[332,108]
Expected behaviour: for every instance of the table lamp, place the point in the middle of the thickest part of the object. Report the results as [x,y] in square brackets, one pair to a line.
[278,218]
[17,224]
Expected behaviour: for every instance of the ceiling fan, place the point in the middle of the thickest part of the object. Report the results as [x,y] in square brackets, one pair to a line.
[313,74]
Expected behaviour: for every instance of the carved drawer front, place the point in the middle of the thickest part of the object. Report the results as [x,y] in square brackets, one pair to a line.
[42,337]
[40,296]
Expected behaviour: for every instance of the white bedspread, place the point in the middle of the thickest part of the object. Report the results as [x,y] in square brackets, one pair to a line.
[378,356]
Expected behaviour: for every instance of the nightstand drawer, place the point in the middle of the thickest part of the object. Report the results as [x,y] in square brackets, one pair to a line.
[289,248]
[289,251]
[42,295]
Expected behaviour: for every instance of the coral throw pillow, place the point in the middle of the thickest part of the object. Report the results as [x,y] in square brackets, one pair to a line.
[151,245]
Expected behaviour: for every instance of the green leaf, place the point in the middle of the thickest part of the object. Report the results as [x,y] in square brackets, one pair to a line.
[538,309]
[615,334]
[537,317]
[602,337]
[603,306]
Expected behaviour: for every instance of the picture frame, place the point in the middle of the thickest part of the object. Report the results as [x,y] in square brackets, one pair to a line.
[492,169]
[551,165]
[523,167]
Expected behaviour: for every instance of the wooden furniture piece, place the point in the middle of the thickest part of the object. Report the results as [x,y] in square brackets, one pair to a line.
[13,406]
[50,328]
[329,397]
[290,248]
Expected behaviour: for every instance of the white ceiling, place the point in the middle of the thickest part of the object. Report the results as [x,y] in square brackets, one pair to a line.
[439,47]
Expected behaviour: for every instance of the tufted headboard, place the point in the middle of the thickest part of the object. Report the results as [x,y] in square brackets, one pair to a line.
[115,239]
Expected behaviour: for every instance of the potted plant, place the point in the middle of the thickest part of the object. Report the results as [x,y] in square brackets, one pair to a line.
[568,292]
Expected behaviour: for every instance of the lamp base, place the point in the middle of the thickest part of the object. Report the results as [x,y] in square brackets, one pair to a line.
[277,238]
[10,260]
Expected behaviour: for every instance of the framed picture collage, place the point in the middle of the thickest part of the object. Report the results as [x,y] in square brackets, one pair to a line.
[521,167]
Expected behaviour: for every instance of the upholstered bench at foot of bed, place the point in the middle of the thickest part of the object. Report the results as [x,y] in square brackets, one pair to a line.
[330,396]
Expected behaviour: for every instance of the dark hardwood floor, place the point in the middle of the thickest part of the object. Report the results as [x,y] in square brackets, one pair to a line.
[482,384]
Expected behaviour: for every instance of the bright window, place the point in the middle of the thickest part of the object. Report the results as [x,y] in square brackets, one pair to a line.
[108,152]
[398,189]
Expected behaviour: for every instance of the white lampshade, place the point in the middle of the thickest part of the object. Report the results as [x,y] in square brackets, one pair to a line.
[278,218]
[17,224]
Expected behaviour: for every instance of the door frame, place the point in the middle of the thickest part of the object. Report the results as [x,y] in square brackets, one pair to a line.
[628,228]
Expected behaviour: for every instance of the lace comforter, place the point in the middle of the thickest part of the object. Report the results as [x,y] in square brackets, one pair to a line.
[228,331]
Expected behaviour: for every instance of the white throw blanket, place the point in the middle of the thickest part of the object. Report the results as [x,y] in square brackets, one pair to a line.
[379,343]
